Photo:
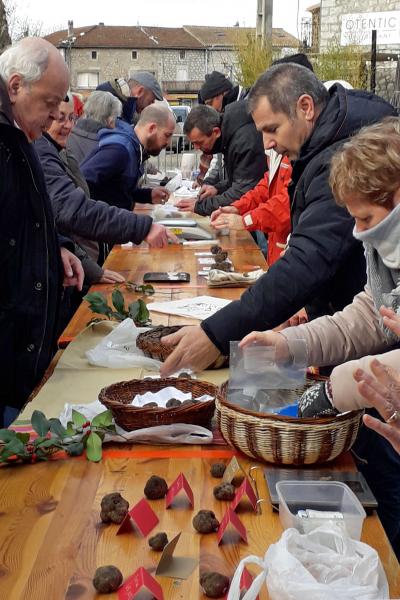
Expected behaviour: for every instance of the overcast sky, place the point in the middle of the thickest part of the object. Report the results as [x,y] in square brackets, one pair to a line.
[164,13]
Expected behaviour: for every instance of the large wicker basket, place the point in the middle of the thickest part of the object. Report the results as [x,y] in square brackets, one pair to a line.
[118,396]
[286,440]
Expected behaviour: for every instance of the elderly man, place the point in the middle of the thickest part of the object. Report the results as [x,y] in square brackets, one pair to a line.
[114,168]
[323,267]
[234,134]
[33,82]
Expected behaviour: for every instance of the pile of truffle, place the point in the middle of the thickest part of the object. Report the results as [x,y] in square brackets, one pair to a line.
[220,259]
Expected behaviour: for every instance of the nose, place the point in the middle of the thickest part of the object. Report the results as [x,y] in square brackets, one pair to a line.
[268,141]
[360,226]
[54,114]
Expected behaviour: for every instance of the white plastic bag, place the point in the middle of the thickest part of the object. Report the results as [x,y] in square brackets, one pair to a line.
[118,350]
[324,564]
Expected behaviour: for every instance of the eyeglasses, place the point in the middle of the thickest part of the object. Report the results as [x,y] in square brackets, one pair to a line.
[71,118]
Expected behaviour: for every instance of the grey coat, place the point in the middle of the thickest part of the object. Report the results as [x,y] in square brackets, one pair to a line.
[83,138]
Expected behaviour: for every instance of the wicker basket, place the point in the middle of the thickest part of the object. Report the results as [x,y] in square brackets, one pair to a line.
[118,396]
[150,344]
[286,440]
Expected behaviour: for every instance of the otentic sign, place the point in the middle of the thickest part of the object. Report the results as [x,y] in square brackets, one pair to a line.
[357,28]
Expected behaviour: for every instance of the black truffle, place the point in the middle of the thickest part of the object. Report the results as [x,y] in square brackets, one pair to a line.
[214,584]
[224,491]
[218,470]
[155,488]
[150,405]
[205,522]
[158,541]
[215,249]
[113,508]
[107,579]
[222,255]
[173,403]
[222,266]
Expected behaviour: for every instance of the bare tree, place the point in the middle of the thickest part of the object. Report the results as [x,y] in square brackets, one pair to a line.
[20,25]
[5,39]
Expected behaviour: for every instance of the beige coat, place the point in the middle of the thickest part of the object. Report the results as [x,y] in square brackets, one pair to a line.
[350,334]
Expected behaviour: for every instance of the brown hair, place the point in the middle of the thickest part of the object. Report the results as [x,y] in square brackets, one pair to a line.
[368,165]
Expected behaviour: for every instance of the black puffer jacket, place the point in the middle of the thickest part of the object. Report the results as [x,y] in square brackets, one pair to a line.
[244,158]
[30,265]
[324,266]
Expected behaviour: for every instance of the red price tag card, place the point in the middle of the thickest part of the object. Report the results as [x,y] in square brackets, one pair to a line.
[144,517]
[136,582]
[245,489]
[180,483]
[231,518]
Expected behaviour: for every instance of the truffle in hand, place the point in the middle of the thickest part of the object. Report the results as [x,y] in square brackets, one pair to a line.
[155,488]
[224,491]
[113,508]
[158,541]
[218,470]
[107,579]
[205,522]
[214,584]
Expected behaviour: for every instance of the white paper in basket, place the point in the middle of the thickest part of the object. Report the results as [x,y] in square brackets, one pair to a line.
[324,564]
[178,433]
[118,350]
[162,396]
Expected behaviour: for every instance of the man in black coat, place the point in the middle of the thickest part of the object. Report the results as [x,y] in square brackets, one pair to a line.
[33,81]
[234,135]
[323,267]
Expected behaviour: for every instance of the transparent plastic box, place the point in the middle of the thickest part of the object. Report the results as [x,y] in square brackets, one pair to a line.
[326,496]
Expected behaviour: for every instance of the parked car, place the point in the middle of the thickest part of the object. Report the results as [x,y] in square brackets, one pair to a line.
[180,141]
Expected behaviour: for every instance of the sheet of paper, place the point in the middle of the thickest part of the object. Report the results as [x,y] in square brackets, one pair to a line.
[200,307]
[175,566]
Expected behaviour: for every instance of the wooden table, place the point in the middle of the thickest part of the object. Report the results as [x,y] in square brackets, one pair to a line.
[51,537]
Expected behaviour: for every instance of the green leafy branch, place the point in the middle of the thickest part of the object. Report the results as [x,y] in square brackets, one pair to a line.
[79,435]
[136,310]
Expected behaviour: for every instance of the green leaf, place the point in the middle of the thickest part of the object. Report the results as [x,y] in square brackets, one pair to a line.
[118,301]
[70,431]
[104,419]
[93,447]
[14,446]
[117,316]
[47,443]
[138,312]
[78,418]
[149,289]
[24,437]
[39,423]
[75,449]
[57,429]
[98,303]
[6,435]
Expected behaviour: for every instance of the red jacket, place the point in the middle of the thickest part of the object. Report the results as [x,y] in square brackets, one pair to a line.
[266,208]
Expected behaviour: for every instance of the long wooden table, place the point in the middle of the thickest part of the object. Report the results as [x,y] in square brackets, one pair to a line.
[51,537]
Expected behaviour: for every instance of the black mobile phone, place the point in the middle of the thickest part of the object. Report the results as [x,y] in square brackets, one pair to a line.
[166,277]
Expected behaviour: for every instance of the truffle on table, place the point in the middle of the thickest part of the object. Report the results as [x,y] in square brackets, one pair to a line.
[214,584]
[158,541]
[217,470]
[155,488]
[205,521]
[215,249]
[107,579]
[222,255]
[113,508]
[224,491]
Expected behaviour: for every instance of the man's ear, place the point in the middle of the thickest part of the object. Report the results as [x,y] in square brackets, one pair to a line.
[139,91]
[14,86]
[305,106]
[152,128]
[217,131]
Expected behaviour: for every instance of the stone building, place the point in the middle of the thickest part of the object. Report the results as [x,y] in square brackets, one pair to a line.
[178,57]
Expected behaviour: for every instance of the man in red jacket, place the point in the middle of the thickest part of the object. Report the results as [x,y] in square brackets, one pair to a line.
[264,208]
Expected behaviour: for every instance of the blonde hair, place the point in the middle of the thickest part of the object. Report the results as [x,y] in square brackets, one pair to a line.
[368,165]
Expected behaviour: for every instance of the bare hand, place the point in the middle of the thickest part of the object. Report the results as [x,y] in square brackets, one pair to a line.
[73,270]
[193,350]
[206,191]
[224,210]
[159,195]
[159,235]
[383,393]
[111,277]
[195,185]
[233,222]
[391,319]
[186,205]
[268,338]
[299,318]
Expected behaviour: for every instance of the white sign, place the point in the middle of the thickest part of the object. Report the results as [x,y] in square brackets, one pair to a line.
[357,28]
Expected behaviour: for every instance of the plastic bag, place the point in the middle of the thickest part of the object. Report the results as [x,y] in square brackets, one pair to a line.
[324,564]
[118,350]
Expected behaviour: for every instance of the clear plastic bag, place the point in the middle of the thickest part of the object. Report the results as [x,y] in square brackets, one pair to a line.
[325,564]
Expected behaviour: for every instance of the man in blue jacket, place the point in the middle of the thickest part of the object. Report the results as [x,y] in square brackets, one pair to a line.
[114,168]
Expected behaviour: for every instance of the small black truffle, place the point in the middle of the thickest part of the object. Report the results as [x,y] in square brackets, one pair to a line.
[173,403]
[205,522]
[158,541]
[218,470]
[155,488]
[107,579]
[113,508]
[224,491]
[214,584]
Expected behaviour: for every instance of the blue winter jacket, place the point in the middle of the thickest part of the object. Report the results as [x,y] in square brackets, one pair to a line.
[114,168]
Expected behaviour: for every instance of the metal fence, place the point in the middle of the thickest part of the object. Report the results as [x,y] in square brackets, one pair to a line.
[170,158]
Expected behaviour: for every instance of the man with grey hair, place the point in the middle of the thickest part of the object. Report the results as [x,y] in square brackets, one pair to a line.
[33,81]
[114,168]
[323,267]
[100,110]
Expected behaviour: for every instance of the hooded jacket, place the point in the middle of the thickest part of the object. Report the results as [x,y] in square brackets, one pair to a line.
[83,138]
[128,102]
[114,168]
[324,266]
[244,158]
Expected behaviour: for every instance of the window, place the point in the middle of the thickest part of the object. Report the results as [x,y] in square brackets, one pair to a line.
[94,54]
[134,54]
[182,54]
[88,80]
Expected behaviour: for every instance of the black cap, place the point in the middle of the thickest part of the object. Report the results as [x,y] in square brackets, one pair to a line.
[298,59]
[216,83]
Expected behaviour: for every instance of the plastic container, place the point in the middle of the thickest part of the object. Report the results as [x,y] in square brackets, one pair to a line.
[331,496]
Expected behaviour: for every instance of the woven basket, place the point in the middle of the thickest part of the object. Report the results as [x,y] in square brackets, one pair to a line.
[286,440]
[118,396]
[153,348]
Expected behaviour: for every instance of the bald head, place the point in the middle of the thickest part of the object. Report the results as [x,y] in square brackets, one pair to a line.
[37,79]
[158,114]
[155,128]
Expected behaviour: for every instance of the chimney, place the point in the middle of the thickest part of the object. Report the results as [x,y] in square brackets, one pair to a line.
[101,23]
[70,28]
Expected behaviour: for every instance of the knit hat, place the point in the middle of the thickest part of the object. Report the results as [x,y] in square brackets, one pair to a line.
[216,83]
